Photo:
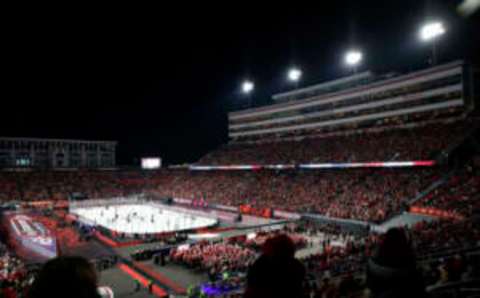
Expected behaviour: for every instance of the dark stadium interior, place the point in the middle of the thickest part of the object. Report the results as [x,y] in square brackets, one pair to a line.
[241,150]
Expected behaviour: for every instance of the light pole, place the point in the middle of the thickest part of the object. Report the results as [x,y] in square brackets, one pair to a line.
[353,59]
[247,88]
[430,32]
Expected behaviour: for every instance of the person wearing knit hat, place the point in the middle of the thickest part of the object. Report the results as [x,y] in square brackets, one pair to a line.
[276,273]
[280,245]
[392,271]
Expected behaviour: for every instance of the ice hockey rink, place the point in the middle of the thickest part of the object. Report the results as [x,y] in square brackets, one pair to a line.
[141,218]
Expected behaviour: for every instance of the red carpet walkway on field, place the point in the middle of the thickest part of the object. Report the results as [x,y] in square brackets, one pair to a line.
[161,278]
[143,280]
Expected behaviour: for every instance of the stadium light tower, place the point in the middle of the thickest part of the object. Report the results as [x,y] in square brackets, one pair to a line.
[431,32]
[247,88]
[294,74]
[353,59]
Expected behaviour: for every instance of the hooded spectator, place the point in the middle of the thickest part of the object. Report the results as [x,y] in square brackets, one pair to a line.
[72,277]
[392,271]
[276,273]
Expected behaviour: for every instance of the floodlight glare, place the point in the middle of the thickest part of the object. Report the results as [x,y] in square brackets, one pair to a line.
[294,74]
[353,58]
[431,31]
[247,86]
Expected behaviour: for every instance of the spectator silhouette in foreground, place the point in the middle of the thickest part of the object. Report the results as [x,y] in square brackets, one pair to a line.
[276,273]
[72,277]
[392,272]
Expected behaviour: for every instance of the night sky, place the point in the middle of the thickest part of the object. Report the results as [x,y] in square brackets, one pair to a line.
[160,80]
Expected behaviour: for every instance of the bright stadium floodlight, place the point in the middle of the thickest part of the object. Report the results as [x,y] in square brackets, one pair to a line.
[247,87]
[431,31]
[353,58]
[468,7]
[294,74]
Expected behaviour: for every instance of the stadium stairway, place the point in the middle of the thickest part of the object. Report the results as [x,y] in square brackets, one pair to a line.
[144,281]
[470,135]
[165,281]
[401,220]
[436,184]
[122,284]
[409,219]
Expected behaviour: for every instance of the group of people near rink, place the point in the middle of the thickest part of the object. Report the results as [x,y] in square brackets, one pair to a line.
[214,258]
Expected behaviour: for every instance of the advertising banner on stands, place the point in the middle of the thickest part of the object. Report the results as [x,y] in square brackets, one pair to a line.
[31,239]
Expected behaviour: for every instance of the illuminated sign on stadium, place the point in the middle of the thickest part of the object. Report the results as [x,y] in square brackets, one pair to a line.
[387,164]
[151,163]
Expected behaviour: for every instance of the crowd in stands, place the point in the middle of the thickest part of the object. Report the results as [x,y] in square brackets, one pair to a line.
[59,186]
[420,143]
[8,185]
[362,194]
[15,277]
[28,186]
[459,194]
[445,235]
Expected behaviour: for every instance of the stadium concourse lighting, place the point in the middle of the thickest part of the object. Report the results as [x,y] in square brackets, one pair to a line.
[430,32]
[294,74]
[247,86]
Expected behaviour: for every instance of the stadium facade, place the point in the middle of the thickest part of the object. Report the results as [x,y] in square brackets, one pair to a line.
[56,153]
[360,100]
